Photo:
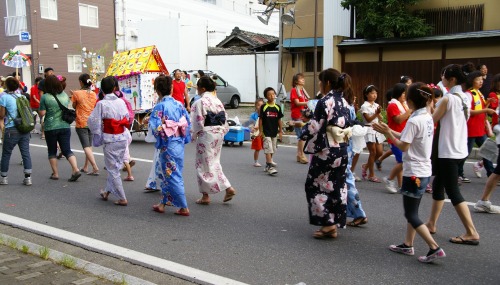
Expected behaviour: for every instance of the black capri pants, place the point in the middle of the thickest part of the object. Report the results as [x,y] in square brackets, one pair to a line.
[446,179]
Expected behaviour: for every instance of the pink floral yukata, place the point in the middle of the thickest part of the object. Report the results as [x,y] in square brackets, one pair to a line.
[208,118]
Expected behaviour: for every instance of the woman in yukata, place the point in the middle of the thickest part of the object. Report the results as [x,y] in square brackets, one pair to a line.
[209,125]
[327,138]
[170,124]
[108,122]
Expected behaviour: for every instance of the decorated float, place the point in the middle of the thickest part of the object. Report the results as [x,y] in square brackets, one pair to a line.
[136,70]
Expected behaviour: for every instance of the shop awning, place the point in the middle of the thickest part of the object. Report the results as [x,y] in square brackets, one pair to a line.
[301,42]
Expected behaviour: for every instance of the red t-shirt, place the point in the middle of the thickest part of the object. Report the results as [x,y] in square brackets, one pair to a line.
[393,111]
[296,114]
[34,94]
[476,123]
[178,91]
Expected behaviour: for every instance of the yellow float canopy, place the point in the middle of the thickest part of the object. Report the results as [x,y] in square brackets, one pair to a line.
[136,61]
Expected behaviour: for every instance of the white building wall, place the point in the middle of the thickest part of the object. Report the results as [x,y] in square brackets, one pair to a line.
[239,71]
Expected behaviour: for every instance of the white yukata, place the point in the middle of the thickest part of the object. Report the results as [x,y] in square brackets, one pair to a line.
[209,125]
[108,123]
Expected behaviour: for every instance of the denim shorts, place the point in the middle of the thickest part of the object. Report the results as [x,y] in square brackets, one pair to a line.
[410,188]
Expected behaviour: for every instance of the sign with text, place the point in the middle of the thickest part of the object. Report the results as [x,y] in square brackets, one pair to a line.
[24,36]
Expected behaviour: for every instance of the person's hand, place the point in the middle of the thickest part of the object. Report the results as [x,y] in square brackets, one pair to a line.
[381,127]
[146,120]
[188,109]
[490,111]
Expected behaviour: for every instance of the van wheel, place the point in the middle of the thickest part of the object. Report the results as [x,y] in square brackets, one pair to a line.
[235,102]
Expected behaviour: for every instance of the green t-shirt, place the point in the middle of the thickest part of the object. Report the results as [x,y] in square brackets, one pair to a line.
[53,117]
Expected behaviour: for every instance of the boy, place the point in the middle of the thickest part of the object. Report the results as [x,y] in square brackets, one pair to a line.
[270,125]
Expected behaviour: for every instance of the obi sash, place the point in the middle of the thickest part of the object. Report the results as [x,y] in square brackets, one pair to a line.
[215,119]
[173,128]
[338,135]
[113,126]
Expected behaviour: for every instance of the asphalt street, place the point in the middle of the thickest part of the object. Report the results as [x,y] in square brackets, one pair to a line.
[262,236]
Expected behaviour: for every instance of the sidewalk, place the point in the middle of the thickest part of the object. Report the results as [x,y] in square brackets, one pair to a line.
[17,267]
[82,266]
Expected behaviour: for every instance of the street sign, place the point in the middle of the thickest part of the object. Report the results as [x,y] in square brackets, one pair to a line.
[24,36]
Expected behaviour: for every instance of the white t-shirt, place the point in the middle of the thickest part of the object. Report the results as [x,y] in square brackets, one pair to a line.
[453,133]
[418,132]
[369,109]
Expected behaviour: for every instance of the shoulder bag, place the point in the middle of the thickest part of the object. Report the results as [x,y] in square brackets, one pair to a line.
[68,115]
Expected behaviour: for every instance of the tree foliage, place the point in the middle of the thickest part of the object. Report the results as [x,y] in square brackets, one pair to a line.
[387,19]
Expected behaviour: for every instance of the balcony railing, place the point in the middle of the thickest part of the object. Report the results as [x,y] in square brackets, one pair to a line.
[15,24]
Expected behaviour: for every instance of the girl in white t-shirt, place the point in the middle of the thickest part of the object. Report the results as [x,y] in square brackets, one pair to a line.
[416,143]
[371,114]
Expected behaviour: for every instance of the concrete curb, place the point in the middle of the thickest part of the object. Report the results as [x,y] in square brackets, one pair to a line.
[80,264]
[161,265]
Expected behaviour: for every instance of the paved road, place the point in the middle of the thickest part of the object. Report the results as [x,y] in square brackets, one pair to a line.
[263,235]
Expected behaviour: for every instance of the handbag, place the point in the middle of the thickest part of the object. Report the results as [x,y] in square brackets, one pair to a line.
[68,115]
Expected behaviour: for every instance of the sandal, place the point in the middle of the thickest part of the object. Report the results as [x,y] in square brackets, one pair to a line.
[358,222]
[202,202]
[378,163]
[230,192]
[75,176]
[182,213]
[121,203]
[53,177]
[461,240]
[320,234]
[364,174]
[157,209]
[93,173]
[104,195]
[374,179]
[129,178]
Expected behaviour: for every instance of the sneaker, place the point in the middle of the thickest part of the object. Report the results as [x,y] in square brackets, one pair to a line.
[266,169]
[432,255]
[477,167]
[463,179]
[402,248]
[4,180]
[273,164]
[27,181]
[257,164]
[272,171]
[486,207]
[390,185]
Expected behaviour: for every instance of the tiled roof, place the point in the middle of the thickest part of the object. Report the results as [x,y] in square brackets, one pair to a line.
[254,40]
[229,50]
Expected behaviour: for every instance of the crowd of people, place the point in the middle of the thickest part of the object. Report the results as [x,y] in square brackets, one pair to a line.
[425,127]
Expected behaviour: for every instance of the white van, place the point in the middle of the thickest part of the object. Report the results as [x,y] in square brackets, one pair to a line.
[228,94]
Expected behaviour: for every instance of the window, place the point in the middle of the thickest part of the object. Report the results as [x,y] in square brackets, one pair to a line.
[74,63]
[210,1]
[15,21]
[89,16]
[309,61]
[48,9]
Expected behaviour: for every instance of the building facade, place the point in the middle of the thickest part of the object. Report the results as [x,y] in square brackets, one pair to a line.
[463,30]
[58,30]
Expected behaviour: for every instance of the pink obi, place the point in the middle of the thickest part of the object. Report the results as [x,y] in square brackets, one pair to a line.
[173,128]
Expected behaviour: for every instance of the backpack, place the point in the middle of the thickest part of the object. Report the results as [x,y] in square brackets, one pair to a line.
[24,121]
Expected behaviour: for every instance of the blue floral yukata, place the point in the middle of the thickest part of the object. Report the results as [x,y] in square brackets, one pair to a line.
[171,127]
[326,189]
